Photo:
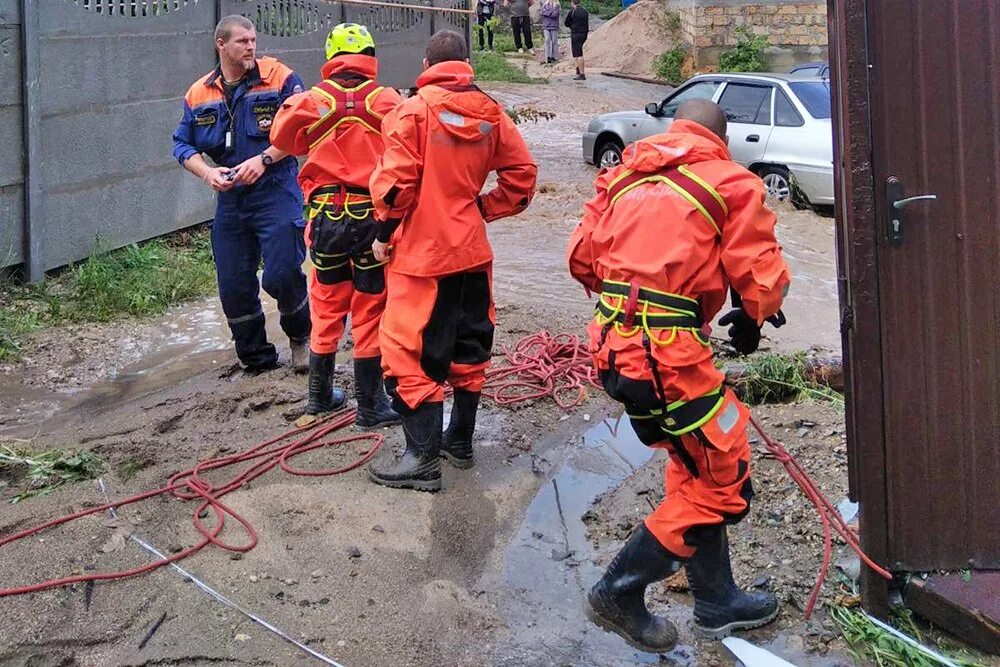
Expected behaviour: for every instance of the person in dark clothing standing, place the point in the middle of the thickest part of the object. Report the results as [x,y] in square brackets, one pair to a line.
[485,11]
[578,22]
[520,23]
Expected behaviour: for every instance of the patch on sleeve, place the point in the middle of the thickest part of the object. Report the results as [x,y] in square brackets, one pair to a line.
[728,418]
[206,118]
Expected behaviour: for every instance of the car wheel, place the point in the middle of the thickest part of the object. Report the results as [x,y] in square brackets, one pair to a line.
[777,181]
[609,155]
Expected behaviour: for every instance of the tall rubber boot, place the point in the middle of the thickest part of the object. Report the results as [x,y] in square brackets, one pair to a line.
[373,405]
[720,607]
[419,467]
[617,603]
[323,396]
[456,445]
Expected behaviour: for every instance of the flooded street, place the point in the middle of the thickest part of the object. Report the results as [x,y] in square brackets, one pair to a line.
[530,249]
[492,571]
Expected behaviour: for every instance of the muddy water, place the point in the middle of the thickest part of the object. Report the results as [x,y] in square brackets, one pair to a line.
[530,249]
[188,340]
[549,565]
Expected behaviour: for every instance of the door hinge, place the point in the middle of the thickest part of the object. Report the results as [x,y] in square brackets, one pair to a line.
[846,320]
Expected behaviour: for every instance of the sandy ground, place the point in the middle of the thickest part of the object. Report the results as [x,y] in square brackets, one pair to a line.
[488,572]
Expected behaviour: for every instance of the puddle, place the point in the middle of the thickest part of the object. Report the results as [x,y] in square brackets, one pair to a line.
[187,341]
[549,564]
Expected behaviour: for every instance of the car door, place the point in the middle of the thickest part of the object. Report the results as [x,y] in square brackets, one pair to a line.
[696,90]
[748,107]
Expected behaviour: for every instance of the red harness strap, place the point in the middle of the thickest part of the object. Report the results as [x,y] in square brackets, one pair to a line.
[350,106]
[705,198]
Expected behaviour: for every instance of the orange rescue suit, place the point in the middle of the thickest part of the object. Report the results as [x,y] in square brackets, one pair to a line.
[441,145]
[663,239]
[338,125]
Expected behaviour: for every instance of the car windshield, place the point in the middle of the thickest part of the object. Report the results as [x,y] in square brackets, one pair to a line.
[815,97]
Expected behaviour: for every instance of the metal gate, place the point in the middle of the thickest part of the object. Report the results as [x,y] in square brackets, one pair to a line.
[91,92]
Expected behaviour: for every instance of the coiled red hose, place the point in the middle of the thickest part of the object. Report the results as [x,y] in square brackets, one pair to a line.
[543,365]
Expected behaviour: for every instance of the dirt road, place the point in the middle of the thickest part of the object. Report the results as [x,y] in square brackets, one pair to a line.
[488,572]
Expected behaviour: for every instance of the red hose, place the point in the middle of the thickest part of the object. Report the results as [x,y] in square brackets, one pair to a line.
[543,365]
[537,366]
[828,515]
[189,485]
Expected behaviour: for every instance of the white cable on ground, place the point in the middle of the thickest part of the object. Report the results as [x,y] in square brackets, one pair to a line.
[911,641]
[219,597]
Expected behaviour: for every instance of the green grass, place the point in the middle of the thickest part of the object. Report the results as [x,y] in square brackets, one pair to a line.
[870,644]
[668,65]
[47,471]
[773,378]
[495,67]
[606,9]
[136,281]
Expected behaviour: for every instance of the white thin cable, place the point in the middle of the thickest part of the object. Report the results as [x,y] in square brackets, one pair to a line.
[911,641]
[219,597]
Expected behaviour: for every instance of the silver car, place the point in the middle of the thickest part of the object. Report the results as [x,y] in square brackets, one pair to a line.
[779,128]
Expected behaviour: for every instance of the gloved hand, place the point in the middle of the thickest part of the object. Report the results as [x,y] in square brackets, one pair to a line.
[744,333]
[777,320]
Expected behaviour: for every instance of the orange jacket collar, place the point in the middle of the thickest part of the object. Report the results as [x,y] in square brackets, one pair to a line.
[685,142]
[367,66]
[691,127]
[448,73]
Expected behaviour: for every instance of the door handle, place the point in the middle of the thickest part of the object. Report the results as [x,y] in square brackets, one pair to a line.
[899,204]
[896,203]
[753,138]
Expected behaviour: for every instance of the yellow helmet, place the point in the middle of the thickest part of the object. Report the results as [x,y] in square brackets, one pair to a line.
[348,38]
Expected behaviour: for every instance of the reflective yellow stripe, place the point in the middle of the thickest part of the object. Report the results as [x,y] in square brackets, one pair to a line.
[625,174]
[701,422]
[691,199]
[712,191]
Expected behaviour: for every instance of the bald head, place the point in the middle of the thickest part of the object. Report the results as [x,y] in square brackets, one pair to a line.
[706,113]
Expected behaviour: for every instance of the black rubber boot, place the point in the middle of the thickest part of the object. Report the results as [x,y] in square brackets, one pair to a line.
[720,607]
[323,396]
[373,405]
[617,603]
[456,445]
[419,467]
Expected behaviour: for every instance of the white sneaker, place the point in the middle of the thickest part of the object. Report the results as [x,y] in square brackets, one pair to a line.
[520,50]
[531,51]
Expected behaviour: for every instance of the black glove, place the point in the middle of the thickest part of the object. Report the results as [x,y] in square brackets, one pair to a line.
[744,333]
[777,320]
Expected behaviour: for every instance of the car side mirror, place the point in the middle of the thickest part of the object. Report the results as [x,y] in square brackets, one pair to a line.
[653,109]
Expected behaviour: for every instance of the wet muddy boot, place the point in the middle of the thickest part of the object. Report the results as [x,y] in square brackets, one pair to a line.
[617,603]
[419,467]
[300,356]
[323,396]
[720,607]
[456,444]
[373,405]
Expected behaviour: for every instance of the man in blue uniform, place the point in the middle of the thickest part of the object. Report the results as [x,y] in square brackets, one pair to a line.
[227,116]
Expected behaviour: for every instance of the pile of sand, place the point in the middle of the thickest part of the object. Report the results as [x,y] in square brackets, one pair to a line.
[631,41]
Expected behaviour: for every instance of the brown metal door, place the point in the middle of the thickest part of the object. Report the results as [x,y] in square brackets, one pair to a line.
[935,105]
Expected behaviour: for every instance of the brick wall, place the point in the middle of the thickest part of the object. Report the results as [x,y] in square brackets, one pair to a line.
[796,29]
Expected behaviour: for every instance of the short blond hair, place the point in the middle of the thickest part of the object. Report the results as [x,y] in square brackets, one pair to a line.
[224,29]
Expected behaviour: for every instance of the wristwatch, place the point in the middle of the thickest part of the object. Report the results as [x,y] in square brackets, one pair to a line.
[266,159]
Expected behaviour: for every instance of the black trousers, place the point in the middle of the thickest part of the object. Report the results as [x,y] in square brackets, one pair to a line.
[485,31]
[521,25]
